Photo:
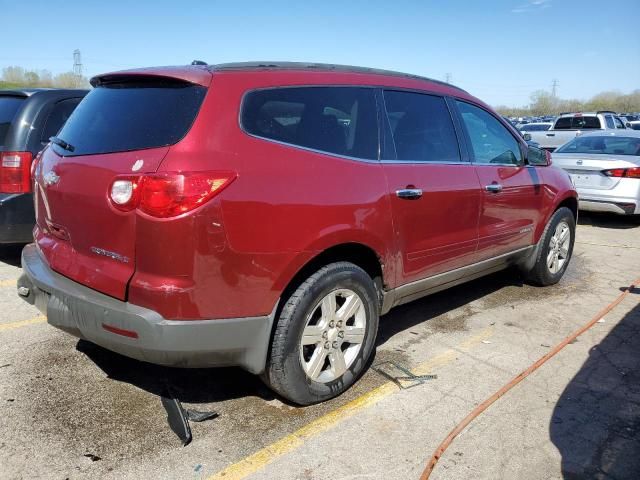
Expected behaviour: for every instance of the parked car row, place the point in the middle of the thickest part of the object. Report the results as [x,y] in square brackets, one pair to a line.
[570,125]
[266,215]
[28,118]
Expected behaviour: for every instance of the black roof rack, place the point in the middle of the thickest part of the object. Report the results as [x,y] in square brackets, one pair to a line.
[606,111]
[321,67]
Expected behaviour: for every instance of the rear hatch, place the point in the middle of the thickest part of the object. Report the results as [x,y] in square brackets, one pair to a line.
[124,126]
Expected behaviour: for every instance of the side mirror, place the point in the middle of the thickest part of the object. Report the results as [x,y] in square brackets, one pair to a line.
[527,137]
[538,157]
[627,124]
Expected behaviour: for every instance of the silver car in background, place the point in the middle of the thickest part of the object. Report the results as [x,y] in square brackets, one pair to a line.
[605,168]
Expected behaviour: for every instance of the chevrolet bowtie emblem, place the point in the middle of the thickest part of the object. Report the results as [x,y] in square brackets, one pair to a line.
[51,178]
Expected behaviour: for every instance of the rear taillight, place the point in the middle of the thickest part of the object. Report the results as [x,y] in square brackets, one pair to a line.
[164,195]
[633,172]
[15,172]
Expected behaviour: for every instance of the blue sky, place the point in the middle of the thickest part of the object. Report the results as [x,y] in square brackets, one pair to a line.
[499,50]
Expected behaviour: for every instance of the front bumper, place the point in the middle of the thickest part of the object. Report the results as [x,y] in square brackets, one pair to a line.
[111,323]
[17,218]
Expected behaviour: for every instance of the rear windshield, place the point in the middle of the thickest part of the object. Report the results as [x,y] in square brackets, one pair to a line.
[118,117]
[577,123]
[9,106]
[609,145]
[536,127]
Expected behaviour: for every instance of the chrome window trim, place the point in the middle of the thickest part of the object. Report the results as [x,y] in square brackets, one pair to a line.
[307,149]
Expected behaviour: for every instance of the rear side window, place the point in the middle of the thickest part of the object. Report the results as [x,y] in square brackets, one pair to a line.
[491,142]
[9,106]
[421,127]
[577,123]
[338,120]
[57,118]
[609,120]
[118,117]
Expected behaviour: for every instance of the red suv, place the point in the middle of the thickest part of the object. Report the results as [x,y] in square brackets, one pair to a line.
[265,215]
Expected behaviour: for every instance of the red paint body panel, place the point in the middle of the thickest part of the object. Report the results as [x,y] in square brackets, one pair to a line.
[234,255]
[508,218]
[438,232]
[74,215]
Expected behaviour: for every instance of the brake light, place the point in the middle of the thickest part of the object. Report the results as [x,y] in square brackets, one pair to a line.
[15,172]
[165,195]
[633,172]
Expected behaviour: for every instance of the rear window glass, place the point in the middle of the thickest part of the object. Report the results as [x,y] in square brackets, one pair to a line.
[535,127]
[59,115]
[577,123]
[8,108]
[610,145]
[131,116]
[339,120]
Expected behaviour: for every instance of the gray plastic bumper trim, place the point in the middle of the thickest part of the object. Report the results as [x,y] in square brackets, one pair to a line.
[82,312]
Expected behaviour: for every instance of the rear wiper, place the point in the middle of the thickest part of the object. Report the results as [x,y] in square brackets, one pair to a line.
[62,143]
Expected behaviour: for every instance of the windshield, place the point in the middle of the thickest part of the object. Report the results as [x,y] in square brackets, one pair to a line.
[8,108]
[603,145]
[119,117]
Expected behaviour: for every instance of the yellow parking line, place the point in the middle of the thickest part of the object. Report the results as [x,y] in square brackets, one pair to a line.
[23,323]
[7,283]
[270,453]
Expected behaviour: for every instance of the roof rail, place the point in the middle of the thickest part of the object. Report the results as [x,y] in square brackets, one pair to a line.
[321,67]
[606,111]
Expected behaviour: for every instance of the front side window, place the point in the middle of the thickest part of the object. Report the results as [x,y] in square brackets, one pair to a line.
[421,127]
[338,120]
[491,142]
[618,122]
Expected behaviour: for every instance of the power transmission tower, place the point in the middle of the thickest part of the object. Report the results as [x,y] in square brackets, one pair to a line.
[77,67]
[554,87]
[447,78]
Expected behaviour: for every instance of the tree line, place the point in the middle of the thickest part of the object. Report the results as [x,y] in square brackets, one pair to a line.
[544,103]
[17,77]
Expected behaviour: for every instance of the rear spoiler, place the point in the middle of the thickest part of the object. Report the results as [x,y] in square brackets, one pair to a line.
[196,74]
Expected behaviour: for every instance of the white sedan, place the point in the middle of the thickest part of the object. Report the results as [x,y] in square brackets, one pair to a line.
[605,168]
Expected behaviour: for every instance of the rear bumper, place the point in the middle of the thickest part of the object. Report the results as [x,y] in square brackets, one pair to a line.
[623,199]
[16,218]
[620,208]
[141,333]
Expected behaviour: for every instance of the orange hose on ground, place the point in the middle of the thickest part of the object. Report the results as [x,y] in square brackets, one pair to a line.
[521,376]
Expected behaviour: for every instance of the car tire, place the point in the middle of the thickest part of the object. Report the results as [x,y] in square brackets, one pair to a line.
[324,335]
[554,249]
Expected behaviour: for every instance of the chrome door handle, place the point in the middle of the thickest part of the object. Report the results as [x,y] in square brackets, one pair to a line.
[494,188]
[409,193]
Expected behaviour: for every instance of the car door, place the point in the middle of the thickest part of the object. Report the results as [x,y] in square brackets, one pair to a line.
[433,190]
[512,194]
